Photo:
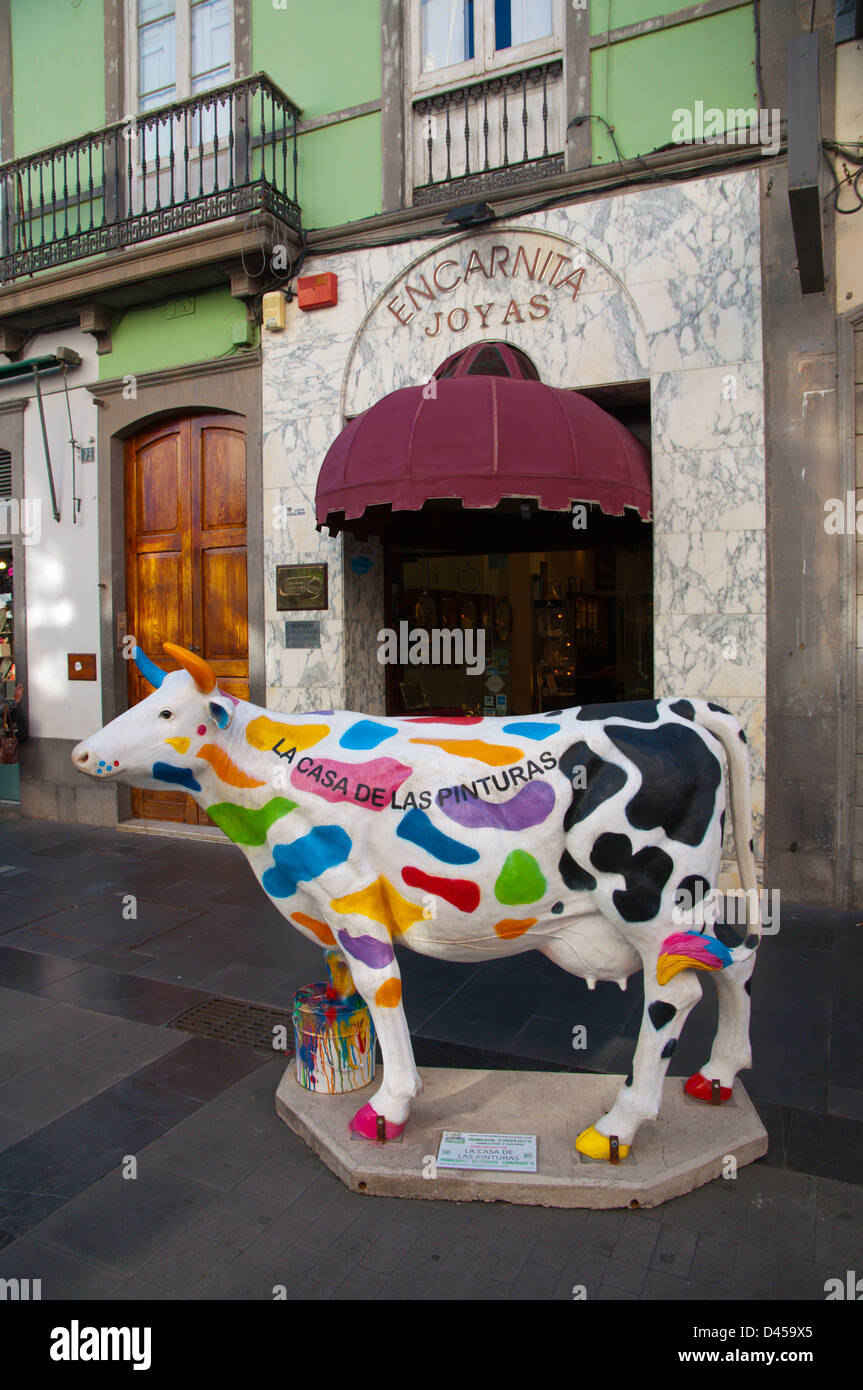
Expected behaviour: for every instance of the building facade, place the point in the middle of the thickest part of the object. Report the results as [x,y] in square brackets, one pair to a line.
[598,200]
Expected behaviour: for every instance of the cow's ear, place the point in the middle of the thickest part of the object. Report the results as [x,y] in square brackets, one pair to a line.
[222,711]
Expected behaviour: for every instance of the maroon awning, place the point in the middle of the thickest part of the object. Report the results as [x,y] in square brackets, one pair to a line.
[480,435]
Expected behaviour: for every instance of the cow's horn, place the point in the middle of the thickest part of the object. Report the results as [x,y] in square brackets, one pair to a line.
[153,674]
[200,670]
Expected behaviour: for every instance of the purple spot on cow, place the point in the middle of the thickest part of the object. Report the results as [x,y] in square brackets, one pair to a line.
[530,806]
[368,949]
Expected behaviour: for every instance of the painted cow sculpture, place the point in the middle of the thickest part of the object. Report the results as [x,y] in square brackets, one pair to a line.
[577,833]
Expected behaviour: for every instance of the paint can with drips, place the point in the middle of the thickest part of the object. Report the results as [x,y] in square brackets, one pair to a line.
[335,1040]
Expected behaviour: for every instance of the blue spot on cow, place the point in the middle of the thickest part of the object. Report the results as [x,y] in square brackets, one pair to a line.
[305,858]
[416,827]
[180,776]
[365,734]
[534,731]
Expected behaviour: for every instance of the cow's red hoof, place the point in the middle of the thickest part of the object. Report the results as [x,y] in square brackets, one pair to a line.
[700,1088]
[365,1122]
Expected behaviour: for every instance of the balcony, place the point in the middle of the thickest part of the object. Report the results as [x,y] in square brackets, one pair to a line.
[499,132]
[229,151]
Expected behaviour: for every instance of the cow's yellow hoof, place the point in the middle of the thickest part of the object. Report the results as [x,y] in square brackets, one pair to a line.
[595,1145]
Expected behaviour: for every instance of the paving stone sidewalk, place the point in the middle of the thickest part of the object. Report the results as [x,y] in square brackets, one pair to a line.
[137,1162]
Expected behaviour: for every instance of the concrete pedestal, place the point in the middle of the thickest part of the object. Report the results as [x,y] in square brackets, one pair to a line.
[688,1145]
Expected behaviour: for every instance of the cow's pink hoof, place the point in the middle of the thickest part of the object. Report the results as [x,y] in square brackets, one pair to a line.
[700,1088]
[365,1122]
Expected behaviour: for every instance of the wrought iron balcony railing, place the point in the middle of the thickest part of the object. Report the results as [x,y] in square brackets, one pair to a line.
[226,151]
[491,134]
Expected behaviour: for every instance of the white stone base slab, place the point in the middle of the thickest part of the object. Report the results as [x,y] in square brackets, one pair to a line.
[687,1146]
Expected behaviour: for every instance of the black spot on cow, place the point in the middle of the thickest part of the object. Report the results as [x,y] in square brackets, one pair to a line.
[668,1050]
[683,708]
[719,709]
[679,778]
[752,846]
[748,986]
[741,735]
[601,780]
[646,874]
[724,932]
[691,891]
[643,711]
[550,713]
[557,909]
[628,1081]
[721,827]
[751,942]
[577,879]
[660,1013]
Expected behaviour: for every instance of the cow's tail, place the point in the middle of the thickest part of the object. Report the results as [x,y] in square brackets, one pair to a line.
[725,727]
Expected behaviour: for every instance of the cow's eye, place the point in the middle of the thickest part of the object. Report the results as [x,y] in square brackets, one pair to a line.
[165,714]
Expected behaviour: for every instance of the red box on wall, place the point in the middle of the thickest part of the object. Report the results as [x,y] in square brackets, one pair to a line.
[318,291]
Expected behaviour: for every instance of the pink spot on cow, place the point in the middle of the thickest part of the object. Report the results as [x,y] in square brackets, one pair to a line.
[202,728]
[371,785]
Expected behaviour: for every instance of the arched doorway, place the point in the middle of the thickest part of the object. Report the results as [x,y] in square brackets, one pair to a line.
[186,580]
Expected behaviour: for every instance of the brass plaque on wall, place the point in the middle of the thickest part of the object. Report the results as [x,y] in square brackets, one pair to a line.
[301,587]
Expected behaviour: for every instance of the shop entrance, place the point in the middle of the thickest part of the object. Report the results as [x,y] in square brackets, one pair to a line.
[9,775]
[551,616]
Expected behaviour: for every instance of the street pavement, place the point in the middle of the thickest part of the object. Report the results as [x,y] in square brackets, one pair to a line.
[139,1162]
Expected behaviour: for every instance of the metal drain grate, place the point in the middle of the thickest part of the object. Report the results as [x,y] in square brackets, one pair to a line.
[250,1025]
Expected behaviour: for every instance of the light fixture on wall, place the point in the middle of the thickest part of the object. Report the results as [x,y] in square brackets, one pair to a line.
[470,215]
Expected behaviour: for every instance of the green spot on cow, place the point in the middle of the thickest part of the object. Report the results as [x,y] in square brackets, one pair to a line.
[520,880]
[247,827]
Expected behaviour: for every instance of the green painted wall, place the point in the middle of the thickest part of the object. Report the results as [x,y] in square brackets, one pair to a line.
[323,56]
[58,77]
[149,338]
[709,60]
[624,12]
[340,172]
[326,57]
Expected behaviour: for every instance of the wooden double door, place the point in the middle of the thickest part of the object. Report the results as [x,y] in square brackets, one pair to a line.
[186,581]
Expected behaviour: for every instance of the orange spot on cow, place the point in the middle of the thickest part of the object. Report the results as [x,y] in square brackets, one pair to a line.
[512,927]
[492,754]
[320,929]
[225,769]
[389,994]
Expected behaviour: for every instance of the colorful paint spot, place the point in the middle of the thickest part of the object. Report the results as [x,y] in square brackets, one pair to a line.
[320,929]
[537,732]
[445,719]
[264,733]
[180,744]
[690,951]
[461,892]
[520,880]
[247,827]
[513,927]
[531,805]
[365,734]
[389,994]
[225,768]
[368,949]
[370,785]
[305,858]
[383,903]
[492,754]
[416,827]
[177,776]
[339,973]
